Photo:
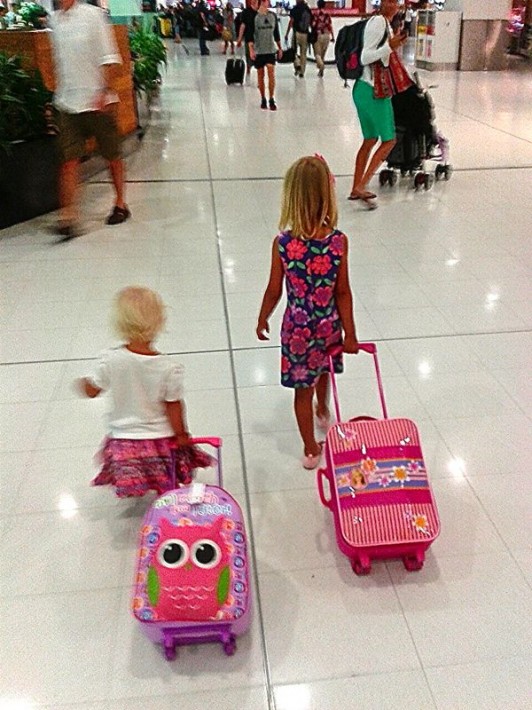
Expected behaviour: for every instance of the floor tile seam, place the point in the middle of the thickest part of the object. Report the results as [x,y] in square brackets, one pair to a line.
[92,358]
[496,554]
[64,592]
[56,511]
[509,393]
[527,581]
[412,639]
[307,680]
[494,128]
[275,178]
[497,657]
[251,532]
[496,529]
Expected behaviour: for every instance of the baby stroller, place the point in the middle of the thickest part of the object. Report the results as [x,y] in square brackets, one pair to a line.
[417,140]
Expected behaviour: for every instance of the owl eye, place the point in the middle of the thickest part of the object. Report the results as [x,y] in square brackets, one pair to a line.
[173,553]
[205,554]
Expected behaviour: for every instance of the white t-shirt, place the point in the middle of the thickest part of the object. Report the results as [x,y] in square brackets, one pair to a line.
[82,43]
[371,52]
[138,385]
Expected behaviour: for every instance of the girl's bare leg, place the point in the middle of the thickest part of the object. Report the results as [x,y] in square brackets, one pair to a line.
[305,419]
[322,396]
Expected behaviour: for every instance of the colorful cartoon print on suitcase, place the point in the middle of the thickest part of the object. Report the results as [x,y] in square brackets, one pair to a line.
[380,495]
[192,561]
[188,575]
[383,494]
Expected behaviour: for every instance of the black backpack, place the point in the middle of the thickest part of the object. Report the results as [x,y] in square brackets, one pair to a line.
[348,48]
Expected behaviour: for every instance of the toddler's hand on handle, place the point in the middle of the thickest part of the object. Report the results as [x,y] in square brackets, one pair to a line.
[183,439]
[262,329]
[351,344]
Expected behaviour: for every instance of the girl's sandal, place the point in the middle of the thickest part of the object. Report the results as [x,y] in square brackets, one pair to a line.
[364,196]
[310,461]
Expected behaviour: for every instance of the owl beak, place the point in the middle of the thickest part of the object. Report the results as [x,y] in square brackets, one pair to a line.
[188,566]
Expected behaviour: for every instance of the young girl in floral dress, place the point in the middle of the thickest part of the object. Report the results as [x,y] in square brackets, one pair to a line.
[310,256]
[147,430]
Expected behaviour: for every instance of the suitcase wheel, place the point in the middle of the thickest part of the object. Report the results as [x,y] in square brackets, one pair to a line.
[361,567]
[229,645]
[170,650]
[414,563]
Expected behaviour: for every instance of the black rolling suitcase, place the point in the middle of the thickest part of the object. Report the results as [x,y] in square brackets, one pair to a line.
[235,70]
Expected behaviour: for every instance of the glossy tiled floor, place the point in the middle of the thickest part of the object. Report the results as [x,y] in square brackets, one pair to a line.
[442,282]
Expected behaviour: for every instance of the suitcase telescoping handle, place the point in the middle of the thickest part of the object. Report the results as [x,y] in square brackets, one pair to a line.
[367,348]
[216,443]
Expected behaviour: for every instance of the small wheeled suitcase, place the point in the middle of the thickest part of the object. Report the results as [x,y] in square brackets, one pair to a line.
[192,576]
[235,70]
[380,495]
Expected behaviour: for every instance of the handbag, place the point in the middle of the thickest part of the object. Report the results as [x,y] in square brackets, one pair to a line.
[392,79]
[227,35]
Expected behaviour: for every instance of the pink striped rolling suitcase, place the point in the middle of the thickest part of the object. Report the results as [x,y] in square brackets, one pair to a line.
[380,494]
[192,574]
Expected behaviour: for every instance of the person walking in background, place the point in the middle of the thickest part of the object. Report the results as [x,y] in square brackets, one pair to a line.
[310,257]
[375,114]
[202,10]
[228,32]
[247,30]
[147,425]
[264,50]
[322,26]
[300,22]
[85,56]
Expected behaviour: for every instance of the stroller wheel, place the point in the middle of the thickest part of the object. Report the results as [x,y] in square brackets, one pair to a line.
[440,171]
[384,177]
[419,180]
[393,178]
[448,171]
[428,181]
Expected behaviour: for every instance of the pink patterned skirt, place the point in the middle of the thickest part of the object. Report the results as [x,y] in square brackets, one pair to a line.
[136,466]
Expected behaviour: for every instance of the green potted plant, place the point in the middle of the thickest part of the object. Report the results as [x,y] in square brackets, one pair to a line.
[28,155]
[33,15]
[149,55]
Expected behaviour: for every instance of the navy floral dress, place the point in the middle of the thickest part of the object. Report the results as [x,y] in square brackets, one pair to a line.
[311,322]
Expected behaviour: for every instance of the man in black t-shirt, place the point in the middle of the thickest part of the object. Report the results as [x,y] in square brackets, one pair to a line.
[247,29]
[300,22]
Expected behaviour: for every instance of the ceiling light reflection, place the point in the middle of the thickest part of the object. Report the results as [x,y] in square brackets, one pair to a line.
[293,697]
[68,508]
[17,704]
[452,262]
[456,467]
[424,368]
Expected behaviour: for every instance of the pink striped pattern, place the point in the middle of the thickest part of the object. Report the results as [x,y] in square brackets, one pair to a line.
[389,524]
[374,434]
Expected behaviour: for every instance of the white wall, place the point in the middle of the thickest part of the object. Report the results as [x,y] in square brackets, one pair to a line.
[481,9]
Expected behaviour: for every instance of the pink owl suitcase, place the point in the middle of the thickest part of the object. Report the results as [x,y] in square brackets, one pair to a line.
[380,495]
[192,575]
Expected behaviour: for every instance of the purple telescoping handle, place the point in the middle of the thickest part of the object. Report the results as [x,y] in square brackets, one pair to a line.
[213,441]
[368,348]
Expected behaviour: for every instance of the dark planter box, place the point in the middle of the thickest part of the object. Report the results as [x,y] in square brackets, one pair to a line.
[28,180]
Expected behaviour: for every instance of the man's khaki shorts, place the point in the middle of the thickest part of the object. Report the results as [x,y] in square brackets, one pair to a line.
[76,128]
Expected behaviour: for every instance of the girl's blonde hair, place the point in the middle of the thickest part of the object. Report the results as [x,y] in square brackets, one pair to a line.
[309,198]
[138,314]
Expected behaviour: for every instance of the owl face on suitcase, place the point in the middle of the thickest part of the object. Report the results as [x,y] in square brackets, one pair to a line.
[192,561]
[189,573]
